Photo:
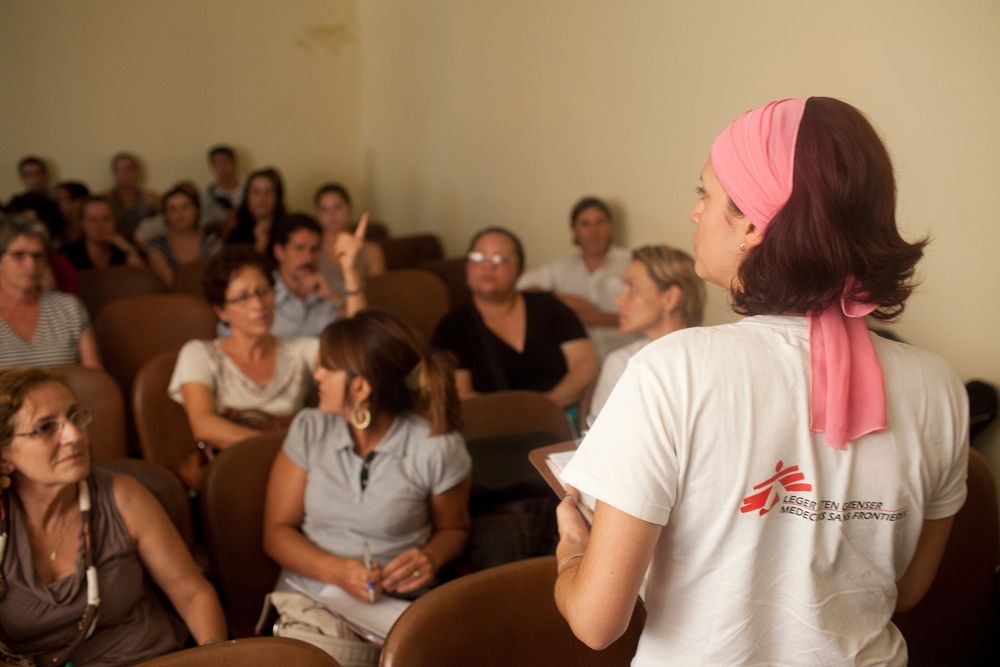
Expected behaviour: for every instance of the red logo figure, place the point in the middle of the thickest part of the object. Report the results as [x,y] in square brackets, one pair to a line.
[789,478]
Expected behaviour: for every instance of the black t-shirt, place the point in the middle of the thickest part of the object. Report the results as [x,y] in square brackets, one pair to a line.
[77,254]
[540,367]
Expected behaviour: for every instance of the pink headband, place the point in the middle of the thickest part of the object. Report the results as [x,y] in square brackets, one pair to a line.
[754,159]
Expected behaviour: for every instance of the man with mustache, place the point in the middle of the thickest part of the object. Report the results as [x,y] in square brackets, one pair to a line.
[304,302]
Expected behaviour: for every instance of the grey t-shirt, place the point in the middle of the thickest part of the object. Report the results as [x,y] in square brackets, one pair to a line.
[393,512]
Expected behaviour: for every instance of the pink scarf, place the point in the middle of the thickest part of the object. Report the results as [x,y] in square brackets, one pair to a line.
[754,159]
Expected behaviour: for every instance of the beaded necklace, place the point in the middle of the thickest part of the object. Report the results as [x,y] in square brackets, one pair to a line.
[89,620]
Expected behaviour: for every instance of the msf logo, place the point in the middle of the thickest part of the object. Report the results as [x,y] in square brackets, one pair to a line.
[766,497]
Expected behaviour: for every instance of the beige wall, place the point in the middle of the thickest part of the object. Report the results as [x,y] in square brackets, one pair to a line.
[503,112]
[449,115]
[166,80]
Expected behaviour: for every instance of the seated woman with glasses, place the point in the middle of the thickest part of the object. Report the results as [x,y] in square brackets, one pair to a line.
[507,339]
[233,388]
[79,543]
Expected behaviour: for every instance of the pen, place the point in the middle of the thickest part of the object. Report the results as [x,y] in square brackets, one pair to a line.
[582,508]
[368,566]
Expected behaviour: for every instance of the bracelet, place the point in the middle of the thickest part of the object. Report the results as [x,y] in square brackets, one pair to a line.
[213,640]
[562,565]
[352,292]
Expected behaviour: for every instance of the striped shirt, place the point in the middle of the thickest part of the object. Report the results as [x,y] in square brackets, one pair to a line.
[62,320]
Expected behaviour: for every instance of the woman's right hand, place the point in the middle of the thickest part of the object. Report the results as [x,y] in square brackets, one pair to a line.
[354,578]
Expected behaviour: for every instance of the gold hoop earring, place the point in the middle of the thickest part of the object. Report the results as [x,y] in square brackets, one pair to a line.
[361,417]
[4,481]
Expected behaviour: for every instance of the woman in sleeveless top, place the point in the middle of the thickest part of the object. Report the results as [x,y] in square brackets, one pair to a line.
[184,242]
[79,543]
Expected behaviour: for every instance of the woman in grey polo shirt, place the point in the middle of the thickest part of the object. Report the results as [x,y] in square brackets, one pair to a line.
[380,463]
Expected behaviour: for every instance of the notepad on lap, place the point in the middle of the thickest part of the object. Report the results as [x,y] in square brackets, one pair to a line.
[370,621]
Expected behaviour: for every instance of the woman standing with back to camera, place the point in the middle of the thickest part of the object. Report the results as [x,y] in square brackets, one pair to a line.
[789,480]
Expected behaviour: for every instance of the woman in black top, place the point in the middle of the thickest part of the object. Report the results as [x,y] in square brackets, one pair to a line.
[506,339]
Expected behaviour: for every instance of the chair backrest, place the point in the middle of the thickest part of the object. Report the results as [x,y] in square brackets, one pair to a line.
[413,295]
[251,652]
[164,485]
[233,516]
[502,616]
[952,624]
[98,391]
[452,272]
[132,331]
[407,252]
[515,412]
[165,436]
[99,287]
[188,278]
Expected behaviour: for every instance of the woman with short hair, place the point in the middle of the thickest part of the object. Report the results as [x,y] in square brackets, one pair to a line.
[184,242]
[38,327]
[788,481]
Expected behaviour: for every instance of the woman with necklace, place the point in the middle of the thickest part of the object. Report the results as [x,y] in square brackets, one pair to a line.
[507,339]
[77,543]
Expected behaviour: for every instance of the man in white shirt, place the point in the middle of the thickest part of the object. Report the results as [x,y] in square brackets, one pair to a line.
[588,282]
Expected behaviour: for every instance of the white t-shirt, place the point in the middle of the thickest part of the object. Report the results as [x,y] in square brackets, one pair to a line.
[776,549]
[570,275]
[611,370]
[204,362]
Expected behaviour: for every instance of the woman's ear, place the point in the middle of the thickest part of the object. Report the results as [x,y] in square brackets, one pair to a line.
[220,314]
[753,235]
[359,390]
[671,299]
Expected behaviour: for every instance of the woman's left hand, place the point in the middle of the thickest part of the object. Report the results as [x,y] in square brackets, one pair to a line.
[573,531]
[407,572]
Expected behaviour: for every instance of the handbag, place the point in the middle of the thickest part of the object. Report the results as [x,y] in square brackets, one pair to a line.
[192,468]
[299,617]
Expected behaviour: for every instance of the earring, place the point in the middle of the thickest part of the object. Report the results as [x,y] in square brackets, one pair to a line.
[743,247]
[4,481]
[361,417]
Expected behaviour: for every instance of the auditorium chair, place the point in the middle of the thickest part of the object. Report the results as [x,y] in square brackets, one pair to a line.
[251,652]
[956,623]
[452,273]
[99,287]
[164,485]
[232,504]
[98,391]
[416,296]
[165,436]
[189,278]
[132,331]
[496,618]
[407,252]
[512,507]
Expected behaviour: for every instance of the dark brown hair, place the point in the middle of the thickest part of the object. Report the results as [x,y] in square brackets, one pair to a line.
[839,221]
[225,265]
[584,204]
[335,188]
[404,374]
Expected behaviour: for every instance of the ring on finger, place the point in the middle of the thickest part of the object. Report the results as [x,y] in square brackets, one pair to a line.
[416,573]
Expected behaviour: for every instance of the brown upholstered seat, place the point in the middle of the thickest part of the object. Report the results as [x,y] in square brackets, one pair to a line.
[188,278]
[952,624]
[165,436]
[413,295]
[502,616]
[452,272]
[132,331]
[99,287]
[233,517]
[407,252]
[164,485]
[514,412]
[252,652]
[98,391]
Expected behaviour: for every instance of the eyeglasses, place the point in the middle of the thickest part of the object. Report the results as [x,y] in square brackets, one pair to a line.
[21,255]
[51,428]
[496,260]
[243,299]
